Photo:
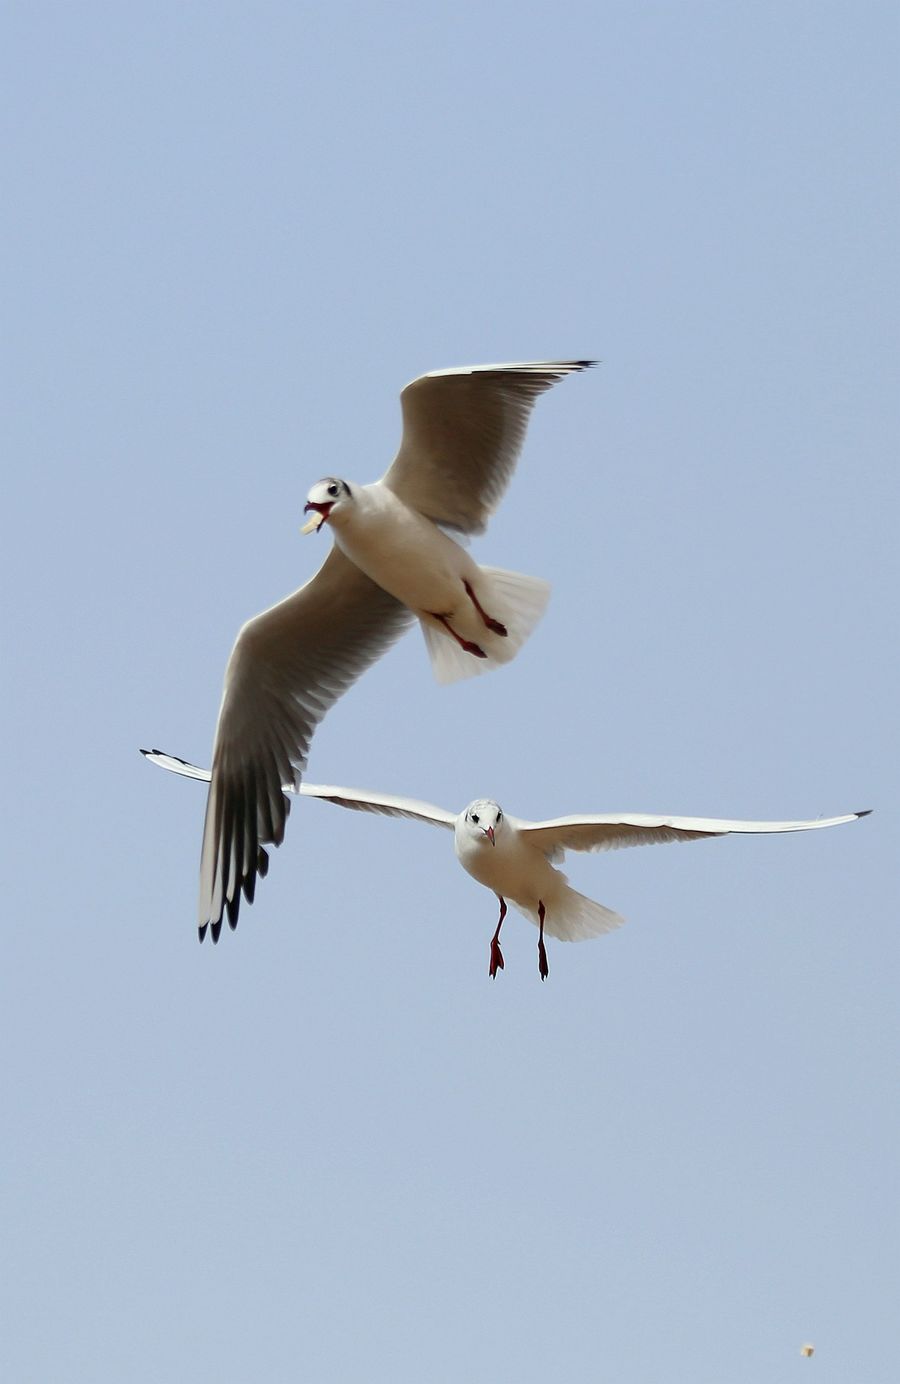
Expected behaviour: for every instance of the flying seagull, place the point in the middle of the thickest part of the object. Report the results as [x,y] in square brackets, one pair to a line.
[517,859]
[392,560]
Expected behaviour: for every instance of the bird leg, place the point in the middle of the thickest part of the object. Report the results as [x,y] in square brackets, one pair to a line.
[489,620]
[542,950]
[465,644]
[496,953]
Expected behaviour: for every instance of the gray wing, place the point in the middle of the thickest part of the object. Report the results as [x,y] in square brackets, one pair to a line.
[609,831]
[359,799]
[289,665]
[463,431]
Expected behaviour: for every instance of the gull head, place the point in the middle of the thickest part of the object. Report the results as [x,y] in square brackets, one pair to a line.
[482,822]
[330,498]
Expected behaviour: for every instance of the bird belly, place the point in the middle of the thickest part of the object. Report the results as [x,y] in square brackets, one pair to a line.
[517,872]
[482,864]
[412,559]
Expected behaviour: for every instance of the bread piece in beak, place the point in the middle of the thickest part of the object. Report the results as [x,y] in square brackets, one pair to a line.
[319,514]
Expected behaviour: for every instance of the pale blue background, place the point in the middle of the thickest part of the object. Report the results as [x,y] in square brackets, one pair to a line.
[330,1149]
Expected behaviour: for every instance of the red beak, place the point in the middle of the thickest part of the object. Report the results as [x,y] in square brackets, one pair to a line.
[489,833]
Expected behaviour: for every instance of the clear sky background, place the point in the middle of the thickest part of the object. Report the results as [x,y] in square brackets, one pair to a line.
[330,1149]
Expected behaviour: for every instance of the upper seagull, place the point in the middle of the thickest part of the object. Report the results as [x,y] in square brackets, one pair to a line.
[517,859]
[391,561]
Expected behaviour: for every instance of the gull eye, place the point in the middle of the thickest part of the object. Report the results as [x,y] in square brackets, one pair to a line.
[475,818]
[499,817]
[333,490]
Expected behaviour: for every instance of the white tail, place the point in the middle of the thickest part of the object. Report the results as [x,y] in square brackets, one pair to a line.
[517,601]
[571,917]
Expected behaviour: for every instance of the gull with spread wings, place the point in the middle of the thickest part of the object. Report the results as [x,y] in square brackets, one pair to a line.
[517,859]
[392,561]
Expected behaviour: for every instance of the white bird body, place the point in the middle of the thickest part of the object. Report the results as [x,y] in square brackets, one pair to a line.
[506,864]
[401,550]
[517,859]
[515,869]
[419,564]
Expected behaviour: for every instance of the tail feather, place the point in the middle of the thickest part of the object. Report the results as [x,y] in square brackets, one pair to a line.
[572,917]
[449,662]
[517,601]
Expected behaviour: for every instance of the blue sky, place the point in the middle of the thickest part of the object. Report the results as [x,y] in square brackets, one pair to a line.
[330,1148]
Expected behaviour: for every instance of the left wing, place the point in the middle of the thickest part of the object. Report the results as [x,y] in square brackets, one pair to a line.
[609,831]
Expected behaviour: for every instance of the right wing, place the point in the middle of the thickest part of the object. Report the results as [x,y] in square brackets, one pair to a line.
[359,799]
[176,765]
[386,804]
[289,665]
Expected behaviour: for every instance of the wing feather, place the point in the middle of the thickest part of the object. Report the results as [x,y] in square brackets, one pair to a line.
[611,831]
[288,666]
[463,430]
[358,799]
[386,804]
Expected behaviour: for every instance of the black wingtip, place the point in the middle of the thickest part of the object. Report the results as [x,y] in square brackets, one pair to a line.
[866,812]
[163,754]
[215,929]
[233,908]
[201,931]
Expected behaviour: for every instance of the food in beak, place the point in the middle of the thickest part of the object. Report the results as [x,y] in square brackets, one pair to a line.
[317,518]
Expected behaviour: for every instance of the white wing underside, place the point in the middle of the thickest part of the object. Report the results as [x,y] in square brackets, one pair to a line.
[612,831]
[359,800]
[177,766]
[385,804]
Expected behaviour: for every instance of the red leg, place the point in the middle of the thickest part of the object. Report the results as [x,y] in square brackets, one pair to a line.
[489,620]
[496,953]
[466,644]
[542,950]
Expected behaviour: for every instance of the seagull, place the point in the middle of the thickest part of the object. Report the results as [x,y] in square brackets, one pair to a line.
[517,859]
[393,559]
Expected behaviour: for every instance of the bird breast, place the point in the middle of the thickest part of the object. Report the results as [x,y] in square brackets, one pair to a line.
[510,867]
[405,553]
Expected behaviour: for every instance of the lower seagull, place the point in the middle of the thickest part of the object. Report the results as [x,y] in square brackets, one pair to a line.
[517,859]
